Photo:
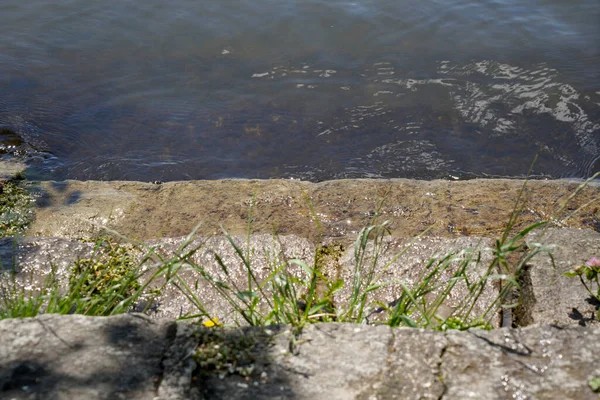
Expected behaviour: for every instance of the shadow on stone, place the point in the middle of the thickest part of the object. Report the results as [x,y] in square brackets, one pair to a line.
[25,378]
[52,357]
[56,194]
[73,197]
[581,319]
[8,250]
[243,357]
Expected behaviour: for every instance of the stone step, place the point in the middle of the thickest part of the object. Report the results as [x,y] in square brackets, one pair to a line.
[333,209]
[37,258]
[547,296]
[131,356]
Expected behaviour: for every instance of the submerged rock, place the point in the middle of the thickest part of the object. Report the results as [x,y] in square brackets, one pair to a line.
[9,141]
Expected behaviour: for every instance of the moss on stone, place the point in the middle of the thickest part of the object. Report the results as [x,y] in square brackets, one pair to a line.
[110,273]
[16,210]
[225,352]
[326,276]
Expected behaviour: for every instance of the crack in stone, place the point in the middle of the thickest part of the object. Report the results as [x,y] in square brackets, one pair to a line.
[386,370]
[176,371]
[439,368]
[169,340]
[305,375]
[391,349]
[513,352]
[46,327]
[525,294]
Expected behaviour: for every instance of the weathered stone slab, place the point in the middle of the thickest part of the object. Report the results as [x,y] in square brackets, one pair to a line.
[37,258]
[405,262]
[537,362]
[333,361]
[11,169]
[178,363]
[145,211]
[130,356]
[344,361]
[413,367]
[76,357]
[265,252]
[337,359]
[549,296]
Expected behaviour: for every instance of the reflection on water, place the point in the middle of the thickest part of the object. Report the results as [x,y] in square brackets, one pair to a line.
[314,89]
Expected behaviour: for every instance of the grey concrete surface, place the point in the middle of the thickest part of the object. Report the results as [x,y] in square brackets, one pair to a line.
[76,357]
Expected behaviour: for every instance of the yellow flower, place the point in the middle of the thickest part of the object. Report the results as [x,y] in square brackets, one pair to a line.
[212,322]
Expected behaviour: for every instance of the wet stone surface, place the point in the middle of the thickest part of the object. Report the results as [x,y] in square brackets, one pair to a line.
[10,169]
[143,211]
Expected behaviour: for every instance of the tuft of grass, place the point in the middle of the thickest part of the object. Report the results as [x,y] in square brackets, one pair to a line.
[16,210]
[279,290]
[16,302]
[299,299]
[108,283]
[111,263]
[105,282]
[420,305]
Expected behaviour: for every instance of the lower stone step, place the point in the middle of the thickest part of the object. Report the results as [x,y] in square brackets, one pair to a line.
[132,356]
[545,296]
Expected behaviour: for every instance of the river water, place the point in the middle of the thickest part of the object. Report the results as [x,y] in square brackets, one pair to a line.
[309,89]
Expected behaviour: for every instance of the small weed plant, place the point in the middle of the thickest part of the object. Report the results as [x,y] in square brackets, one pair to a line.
[590,273]
[286,298]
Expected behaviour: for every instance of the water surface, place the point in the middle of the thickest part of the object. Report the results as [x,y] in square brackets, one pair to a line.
[311,89]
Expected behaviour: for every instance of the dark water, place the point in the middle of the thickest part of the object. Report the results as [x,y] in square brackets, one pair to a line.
[311,89]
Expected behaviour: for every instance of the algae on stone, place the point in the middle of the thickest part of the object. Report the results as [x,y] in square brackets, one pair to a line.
[16,210]
[325,279]
[226,352]
[110,274]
